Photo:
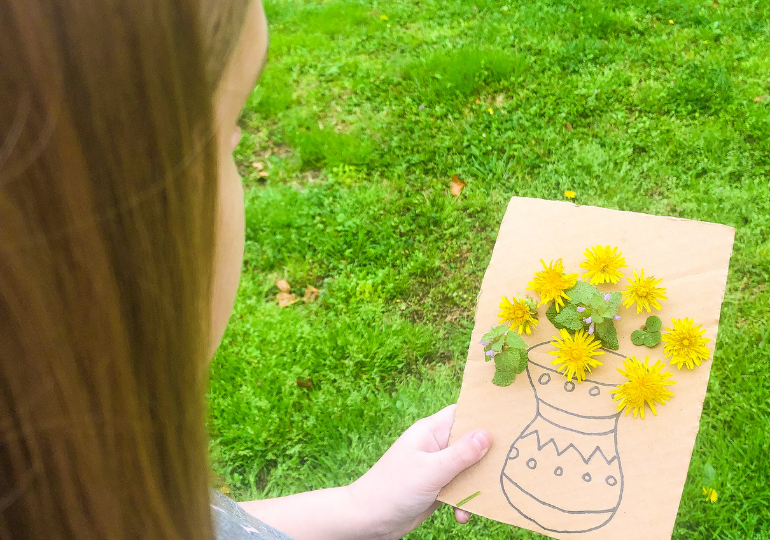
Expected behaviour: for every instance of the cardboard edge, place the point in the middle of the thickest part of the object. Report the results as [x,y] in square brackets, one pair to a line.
[453,435]
[575,205]
[726,272]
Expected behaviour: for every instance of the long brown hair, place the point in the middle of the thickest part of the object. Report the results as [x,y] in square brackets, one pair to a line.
[108,199]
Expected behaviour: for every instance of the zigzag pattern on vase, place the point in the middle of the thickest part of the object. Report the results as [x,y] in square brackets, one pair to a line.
[551,440]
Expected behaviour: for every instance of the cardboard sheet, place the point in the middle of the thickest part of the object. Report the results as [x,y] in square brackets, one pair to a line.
[585,470]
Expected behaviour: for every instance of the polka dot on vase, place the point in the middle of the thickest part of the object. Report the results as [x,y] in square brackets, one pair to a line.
[587,477]
[558,471]
[611,480]
[544,379]
[569,386]
[531,463]
[594,391]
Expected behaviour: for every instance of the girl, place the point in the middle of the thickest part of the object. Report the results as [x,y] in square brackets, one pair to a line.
[121,237]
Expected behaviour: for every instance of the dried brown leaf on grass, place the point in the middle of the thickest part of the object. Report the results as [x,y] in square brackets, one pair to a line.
[284,296]
[285,299]
[305,383]
[760,99]
[311,294]
[568,126]
[283,285]
[456,185]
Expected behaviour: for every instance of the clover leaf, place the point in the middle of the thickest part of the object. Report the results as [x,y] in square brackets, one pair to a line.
[649,335]
[653,324]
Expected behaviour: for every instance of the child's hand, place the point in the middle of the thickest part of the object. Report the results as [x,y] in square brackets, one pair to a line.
[392,498]
[400,491]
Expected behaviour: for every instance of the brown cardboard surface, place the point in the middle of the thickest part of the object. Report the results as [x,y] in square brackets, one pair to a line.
[636,476]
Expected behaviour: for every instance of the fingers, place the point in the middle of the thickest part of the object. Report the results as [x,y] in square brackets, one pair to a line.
[431,433]
[462,516]
[466,451]
[441,424]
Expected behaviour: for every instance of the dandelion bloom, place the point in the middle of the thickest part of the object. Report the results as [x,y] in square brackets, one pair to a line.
[603,264]
[646,386]
[570,194]
[644,292]
[551,282]
[519,314]
[711,495]
[684,344]
[575,355]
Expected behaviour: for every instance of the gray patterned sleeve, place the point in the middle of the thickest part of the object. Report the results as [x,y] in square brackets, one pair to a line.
[232,523]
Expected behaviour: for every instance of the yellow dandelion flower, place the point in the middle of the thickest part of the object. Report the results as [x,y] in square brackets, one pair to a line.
[603,264]
[575,355]
[519,314]
[646,386]
[570,194]
[684,343]
[384,17]
[711,495]
[643,291]
[551,283]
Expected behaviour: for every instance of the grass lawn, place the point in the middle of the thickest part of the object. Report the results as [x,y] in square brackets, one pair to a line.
[364,113]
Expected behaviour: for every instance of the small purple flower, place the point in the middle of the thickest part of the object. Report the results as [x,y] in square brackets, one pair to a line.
[484,343]
[616,317]
[581,309]
[591,329]
[587,320]
[491,353]
[607,297]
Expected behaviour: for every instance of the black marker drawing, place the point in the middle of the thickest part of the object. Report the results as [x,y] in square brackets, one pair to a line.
[563,471]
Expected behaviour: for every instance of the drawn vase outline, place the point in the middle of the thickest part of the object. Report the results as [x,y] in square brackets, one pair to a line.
[563,471]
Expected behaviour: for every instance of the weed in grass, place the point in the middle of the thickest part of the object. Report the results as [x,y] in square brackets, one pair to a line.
[323,146]
[704,87]
[458,74]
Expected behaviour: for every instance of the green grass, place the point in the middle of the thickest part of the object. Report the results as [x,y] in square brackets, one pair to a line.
[362,121]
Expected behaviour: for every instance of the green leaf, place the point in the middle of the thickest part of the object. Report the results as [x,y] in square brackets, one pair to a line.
[637,337]
[551,314]
[652,339]
[597,319]
[503,378]
[597,301]
[507,365]
[514,340]
[497,345]
[653,323]
[602,311]
[581,293]
[607,334]
[494,333]
[568,317]
[614,303]
[523,360]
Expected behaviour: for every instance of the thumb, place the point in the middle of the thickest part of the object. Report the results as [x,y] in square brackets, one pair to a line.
[465,451]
